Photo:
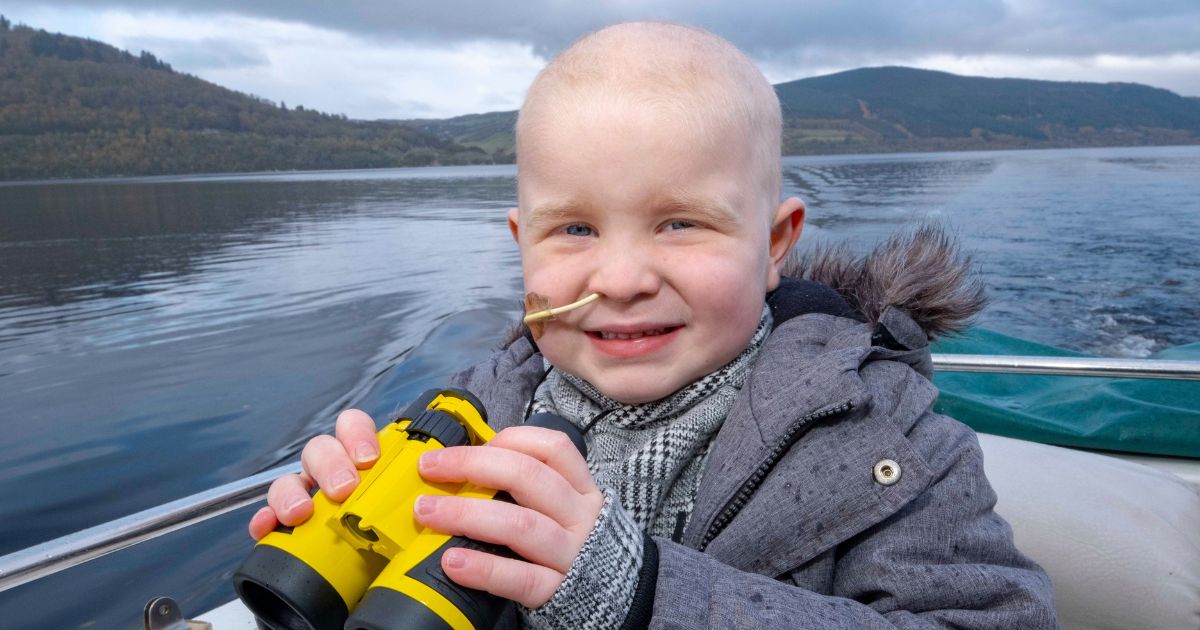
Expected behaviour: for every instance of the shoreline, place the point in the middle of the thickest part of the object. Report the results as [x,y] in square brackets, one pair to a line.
[418,172]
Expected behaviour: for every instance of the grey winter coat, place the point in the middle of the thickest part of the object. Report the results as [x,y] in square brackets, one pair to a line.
[795,525]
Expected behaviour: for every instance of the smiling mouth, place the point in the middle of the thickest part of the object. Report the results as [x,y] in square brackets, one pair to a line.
[654,332]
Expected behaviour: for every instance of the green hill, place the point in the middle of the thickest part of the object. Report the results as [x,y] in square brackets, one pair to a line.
[489,132]
[908,109]
[73,107]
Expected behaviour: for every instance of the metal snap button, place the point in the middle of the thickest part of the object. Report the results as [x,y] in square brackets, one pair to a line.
[887,472]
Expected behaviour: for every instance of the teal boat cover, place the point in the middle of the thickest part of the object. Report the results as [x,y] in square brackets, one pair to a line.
[1156,417]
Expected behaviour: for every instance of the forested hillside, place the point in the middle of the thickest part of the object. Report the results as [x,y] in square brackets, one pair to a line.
[72,107]
[910,109]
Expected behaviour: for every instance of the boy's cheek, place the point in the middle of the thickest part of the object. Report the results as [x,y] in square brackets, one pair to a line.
[546,278]
[554,273]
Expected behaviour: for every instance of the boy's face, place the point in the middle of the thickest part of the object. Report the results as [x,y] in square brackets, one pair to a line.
[668,224]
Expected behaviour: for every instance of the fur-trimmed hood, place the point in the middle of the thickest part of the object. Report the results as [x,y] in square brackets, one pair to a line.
[920,272]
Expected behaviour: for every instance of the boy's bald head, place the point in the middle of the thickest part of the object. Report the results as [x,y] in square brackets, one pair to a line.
[648,173]
[684,72]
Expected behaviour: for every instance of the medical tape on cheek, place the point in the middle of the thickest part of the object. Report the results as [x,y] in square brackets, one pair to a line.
[538,311]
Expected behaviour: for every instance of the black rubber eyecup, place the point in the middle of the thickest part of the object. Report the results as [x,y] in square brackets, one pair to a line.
[286,594]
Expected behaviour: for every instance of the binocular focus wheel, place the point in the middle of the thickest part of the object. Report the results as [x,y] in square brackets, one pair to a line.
[420,403]
[440,426]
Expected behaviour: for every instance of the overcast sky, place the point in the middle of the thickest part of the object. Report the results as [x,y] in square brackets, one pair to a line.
[404,59]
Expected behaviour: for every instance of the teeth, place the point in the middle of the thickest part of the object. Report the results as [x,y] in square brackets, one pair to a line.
[636,335]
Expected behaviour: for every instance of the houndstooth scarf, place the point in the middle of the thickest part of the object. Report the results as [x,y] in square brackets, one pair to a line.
[652,454]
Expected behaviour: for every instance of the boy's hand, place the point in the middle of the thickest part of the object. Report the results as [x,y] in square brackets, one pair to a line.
[557,504]
[557,501]
[328,463]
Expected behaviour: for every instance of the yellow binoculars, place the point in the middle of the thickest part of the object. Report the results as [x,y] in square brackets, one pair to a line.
[367,564]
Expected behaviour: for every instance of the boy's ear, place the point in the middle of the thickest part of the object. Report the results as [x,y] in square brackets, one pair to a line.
[512,223]
[785,230]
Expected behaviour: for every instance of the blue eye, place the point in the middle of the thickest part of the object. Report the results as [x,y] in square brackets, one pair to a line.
[680,225]
[578,229]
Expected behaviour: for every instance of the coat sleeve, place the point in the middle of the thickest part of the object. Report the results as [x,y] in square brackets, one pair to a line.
[945,559]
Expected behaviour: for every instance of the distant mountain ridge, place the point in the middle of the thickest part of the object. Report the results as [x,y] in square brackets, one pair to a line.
[908,109]
[73,107]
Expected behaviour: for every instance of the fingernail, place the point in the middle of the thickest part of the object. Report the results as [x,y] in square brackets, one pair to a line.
[426,504]
[294,505]
[429,460]
[341,479]
[365,453]
[454,559]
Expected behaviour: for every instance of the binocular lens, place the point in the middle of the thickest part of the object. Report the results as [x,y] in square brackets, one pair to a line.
[271,609]
[287,594]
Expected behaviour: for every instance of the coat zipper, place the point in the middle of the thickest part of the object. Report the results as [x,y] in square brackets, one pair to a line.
[748,487]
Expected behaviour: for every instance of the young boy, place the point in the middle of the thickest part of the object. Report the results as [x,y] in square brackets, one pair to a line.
[761,453]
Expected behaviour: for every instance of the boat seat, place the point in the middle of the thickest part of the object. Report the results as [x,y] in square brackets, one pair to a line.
[1120,540]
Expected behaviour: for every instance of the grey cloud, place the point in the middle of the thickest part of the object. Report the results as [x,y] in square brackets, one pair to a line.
[852,30]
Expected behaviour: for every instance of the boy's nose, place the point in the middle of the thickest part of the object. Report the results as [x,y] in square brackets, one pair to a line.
[626,273]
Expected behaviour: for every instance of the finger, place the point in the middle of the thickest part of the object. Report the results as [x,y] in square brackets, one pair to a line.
[288,499]
[527,584]
[356,431]
[534,536]
[553,448]
[531,483]
[262,523]
[326,461]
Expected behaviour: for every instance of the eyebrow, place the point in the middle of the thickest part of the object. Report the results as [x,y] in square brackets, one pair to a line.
[703,208]
[708,210]
[554,212]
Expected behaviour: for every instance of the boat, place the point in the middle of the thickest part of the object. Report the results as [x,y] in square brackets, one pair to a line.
[1109,506]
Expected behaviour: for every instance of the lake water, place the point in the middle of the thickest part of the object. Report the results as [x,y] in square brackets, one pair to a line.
[161,336]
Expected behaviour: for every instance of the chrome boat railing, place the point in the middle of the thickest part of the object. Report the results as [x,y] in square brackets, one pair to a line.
[62,553]
[59,554]
[1069,366]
